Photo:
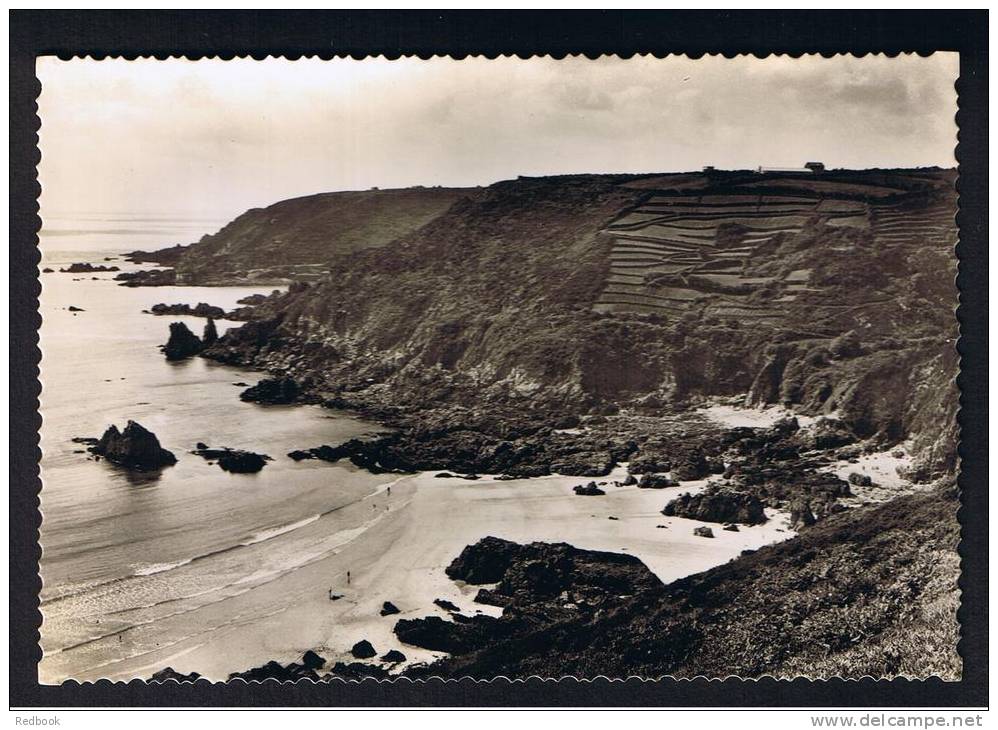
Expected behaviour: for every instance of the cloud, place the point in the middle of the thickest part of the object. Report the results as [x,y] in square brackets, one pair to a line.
[222,136]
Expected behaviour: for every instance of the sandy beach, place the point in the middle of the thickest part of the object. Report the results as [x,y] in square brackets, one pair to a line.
[409,538]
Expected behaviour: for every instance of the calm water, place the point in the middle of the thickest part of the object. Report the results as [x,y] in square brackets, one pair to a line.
[138,568]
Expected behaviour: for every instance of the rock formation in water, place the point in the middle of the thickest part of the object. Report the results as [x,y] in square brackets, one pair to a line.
[210,333]
[272,391]
[86,268]
[201,309]
[147,277]
[135,448]
[236,461]
[182,343]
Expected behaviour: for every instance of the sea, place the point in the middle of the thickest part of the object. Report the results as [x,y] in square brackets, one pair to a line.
[140,568]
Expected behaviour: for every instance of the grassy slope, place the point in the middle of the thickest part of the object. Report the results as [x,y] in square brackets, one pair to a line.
[313,229]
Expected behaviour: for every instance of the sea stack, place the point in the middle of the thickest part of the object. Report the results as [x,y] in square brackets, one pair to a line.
[182,343]
[210,333]
[136,448]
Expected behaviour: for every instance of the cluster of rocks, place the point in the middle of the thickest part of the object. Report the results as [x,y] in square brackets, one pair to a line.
[164,257]
[535,583]
[147,277]
[184,344]
[235,461]
[135,448]
[717,503]
[201,309]
[86,268]
[272,391]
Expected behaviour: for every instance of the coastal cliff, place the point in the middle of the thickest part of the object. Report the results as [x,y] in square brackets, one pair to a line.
[294,239]
[568,324]
[581,295]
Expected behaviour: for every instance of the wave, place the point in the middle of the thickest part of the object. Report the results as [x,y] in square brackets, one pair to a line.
[161,567]
[273,532]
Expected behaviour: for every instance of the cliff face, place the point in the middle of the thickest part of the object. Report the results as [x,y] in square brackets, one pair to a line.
[576,294]
[294,239]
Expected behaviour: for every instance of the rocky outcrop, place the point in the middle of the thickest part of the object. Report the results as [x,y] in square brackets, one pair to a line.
[182,343]
[363,650]
[86,268]
[210,333]
[588,490]
[829,603]
[235,461]
[717,504]
[164,675]
[272,391]
[163,257]
[147,277]
[656,481]
[135,448]
[201,309]
[543,581]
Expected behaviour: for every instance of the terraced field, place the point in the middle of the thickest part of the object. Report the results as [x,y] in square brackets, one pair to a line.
[673,252]
[700,247]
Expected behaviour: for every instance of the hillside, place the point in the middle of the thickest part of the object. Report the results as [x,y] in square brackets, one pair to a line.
[568,324]
[294,239]
[580,295]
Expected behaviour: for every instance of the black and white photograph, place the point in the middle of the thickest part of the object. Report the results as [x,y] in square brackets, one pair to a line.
[371,368]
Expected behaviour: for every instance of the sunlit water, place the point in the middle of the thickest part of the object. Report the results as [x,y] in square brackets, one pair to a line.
[134,564]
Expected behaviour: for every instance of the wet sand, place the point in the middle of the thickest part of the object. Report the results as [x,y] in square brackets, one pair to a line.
[401,553]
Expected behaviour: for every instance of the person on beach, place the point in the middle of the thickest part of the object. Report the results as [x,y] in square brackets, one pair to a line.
[389,491]
[348,577]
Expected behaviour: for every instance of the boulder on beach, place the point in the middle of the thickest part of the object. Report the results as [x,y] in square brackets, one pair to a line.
[272,391]
[484,562]
[135,448]
[169,673]
[629,481]
[311,660]
[73,308]
[363,650]
[717,504]
[393,657]
[860,480]
[588,490]
[656,481]
[801,514]
[446,605]
[389,609]
[182,343]
[703,532]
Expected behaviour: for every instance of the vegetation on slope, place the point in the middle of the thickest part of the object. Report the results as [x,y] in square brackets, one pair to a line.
[296,238]
[868,592]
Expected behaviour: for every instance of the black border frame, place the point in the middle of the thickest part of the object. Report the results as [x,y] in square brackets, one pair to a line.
[525,33]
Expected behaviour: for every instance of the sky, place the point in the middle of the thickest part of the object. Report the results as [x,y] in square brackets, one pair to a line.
[216,137]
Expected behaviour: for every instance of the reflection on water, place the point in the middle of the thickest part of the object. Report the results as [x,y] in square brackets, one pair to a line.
[135,561]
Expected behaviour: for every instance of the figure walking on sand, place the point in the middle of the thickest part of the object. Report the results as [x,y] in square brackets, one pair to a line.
[348,577]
